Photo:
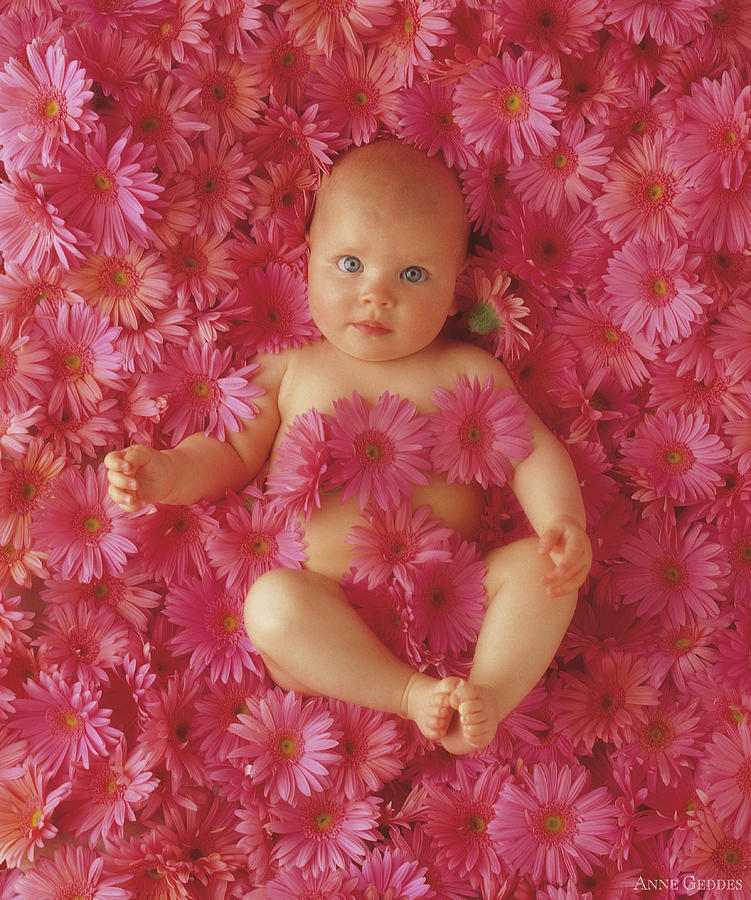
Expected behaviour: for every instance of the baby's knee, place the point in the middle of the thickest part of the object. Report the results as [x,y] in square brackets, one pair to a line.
[273,604]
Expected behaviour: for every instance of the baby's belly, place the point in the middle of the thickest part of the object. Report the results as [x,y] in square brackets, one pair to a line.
[456,506]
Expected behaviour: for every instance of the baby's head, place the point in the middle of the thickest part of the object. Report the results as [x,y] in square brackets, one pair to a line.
[388,239]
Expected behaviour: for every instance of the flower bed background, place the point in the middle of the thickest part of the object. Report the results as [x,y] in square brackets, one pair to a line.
[160,160]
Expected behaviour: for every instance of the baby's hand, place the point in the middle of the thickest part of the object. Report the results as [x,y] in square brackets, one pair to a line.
[569,548]
[137,475]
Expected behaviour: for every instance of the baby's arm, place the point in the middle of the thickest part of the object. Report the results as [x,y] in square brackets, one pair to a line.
[200,467]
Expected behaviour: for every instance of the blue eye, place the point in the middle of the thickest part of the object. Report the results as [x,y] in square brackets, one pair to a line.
[349,264]
[414,274]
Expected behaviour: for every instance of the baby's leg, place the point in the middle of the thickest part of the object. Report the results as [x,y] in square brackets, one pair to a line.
[519,637]
[313,642]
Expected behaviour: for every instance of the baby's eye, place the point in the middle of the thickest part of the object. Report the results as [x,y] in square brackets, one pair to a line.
[414,274]
[349,264]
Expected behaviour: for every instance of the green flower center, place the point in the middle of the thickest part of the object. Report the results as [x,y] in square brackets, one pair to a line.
[91,524]
[102,183]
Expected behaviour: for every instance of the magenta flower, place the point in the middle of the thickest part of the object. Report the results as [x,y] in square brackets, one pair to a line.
[379,452]
[426,118]
[551,825]
[319,24]
[288,743]
[86,533]
[172,540]
[480,432]
[43,105]
[510,103]
[25,371]
[211,629]
[63,723]
[72,871]
[106,191]
[392,872]
[724,775]
[300,464]
[219,176]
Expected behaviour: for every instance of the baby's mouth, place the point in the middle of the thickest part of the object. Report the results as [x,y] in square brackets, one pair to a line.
[371,326]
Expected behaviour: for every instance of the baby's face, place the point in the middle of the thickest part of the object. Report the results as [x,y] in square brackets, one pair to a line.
[382,269]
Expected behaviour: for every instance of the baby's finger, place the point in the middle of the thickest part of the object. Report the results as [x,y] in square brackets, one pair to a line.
[122,481]
[115,460]
[570,585]
[548,540]
[124,499]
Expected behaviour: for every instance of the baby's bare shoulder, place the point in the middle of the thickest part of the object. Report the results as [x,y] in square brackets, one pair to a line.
[467,359]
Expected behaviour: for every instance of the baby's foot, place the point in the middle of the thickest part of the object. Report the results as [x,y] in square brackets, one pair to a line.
[477,720]
[426,702]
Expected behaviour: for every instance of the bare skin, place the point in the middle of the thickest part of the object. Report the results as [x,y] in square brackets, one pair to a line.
[381,283]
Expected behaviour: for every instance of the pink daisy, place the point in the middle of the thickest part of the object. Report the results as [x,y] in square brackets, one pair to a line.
[727,35]
[13,621]
[203,394]
[735,538]
[329,26]
[392,872]
[254,541]
[27,807]
[427,120]
[417,28]
[300,465]
[592,85]
[397,543]
[552,26]
[552,824]
[219,173]
[729,337]
[602,344]
[23,483]
[72,872]
[128,14]
[18,566]
[448,600]
[201,269]
[715,397]
[300,884]
[238,21]
[377,452]
[230,95]
[385,610]
[715,854]
[25,371]
[106,191]
[211,629]
[33,294]
[568,175]
[715,130]
[85,435]
[288,136]
[445,882]
[494,314]
[172,540]
[606,701]
[152,856]
[732,664]
[83,642]
[458,819]
[643,194]
[653,289]
[32,232]
[63,722]
[509,102]
[480,432]
[323,831]
[485,189]
[218,710]
[683,652]
[277,315]
[86,533]
[177,33]
[23,26]
[368,750]
[725,774]
[44,104]
[289,744]
[674,459]
[108,794]
[674,26]
[117,62]
[282,60]
[163,118]
[283,196]
[356,91]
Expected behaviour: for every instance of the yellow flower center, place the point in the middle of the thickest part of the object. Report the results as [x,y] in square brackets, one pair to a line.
[210,185]
[287,60]
[218,92]
[119,278]
[111,786]
[102,182]
[201,389]
[360,98]
[675,457]
[51,109]
[654,192]
[477,824]
[287,746]
[72,361]
[408,25]
[682,643]
[659,287]
[324,821]
[673,574]
[639,126]
[154,874]
[610,335]
[259,546]
[560,160]
[554,824]
[372,451]
[36,817]
[190,262]
[70,721]
[165,28]
[474,434]
[732,857]
[91,524]
[730,137]
[28,491]
[513,102]
[229,622]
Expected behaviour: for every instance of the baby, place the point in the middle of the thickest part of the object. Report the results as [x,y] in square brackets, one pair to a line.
[387,240]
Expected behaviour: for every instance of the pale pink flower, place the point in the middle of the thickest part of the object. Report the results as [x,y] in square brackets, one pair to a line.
[71,872]
[25,372]
[552,26]
[299,466]
[713,853]
[117,62]
[178,32]
[328,26]
[417,27]
[23,483]
[494,314]
[27,806]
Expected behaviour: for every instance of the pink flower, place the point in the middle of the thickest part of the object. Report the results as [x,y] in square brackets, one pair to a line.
[510,103]
[485,189]
[220,708]
[356,91]
[553,27]
[676,572]
[323,831]
[43,105]
[282,60]
[666,26]
[300,464]
[106,191]
[724,775]
[427,120]
[494,316]
[63,722]
[117,62]
[565,176]
[289,744]
[27,806]
[392,871]
[211,629]
[300,884]
[418,27]
[552,824]
[715,854]
[730,336]
[480,432]
[327,26]
[643,194]
[288,136]
[254,541]
[201,269]
[368,751]
[84,360]
[203,393]
[73,872]
[674,458]
[86,532]
[172,540]
[177,33]
[219,175]
[23,483]
[396,544]
[277,315]
[108,795]
[379,452]
[25,371]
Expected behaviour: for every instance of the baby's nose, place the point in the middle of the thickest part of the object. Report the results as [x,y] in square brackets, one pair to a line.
[377,292]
